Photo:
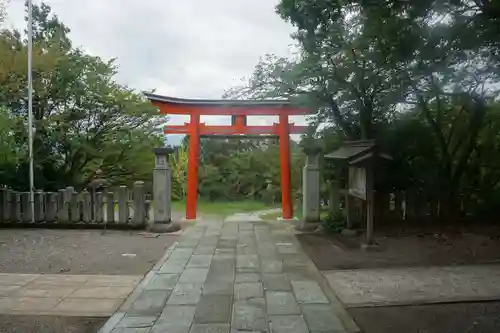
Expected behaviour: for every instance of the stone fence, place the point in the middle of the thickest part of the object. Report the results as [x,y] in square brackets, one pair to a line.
[127,208]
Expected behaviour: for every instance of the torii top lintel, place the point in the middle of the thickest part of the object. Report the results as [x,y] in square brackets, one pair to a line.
[172,105]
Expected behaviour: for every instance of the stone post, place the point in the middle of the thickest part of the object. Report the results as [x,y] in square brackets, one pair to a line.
[86,206]
[122,204]
[75,207]
[311,190]
[62,207]
[110,207]
[68,194]
[5,198]
[25,200]
[39,206]
[16,207]
[139,217]
[50,207]
[98,209]
[162,188]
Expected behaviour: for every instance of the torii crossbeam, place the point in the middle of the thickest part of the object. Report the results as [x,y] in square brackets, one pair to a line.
[239,109]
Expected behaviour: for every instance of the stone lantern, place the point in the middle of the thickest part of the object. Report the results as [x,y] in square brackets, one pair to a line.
[162,194]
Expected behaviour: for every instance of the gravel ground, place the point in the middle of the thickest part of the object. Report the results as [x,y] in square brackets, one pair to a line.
[79,251]
[333,251]
[49,324]
[436,318]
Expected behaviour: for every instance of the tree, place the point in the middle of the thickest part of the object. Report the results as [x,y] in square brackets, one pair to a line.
[3,10]
[10,153]
[179,166]
[84,120]
[338,71]
[419,76]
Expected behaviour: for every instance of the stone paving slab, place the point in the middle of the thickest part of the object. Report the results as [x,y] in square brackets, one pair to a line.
[213,309]
[319,318]
[281,303]
[416,285]
[64,295]
[288,324]
[231,276]
[248,290]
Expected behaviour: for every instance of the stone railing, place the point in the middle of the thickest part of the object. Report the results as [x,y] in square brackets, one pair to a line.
[123,208]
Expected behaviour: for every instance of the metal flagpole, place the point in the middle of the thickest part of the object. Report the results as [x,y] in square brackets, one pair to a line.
[30,109]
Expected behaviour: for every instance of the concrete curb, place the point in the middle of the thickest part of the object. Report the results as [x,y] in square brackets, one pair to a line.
[117,316]
[450,300]
[349,323]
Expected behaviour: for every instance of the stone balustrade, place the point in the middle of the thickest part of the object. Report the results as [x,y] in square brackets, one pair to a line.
[127,207]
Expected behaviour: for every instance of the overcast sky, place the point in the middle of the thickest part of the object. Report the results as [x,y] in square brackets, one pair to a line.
[181,48]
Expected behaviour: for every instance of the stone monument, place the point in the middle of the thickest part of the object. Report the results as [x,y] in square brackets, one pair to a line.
[162,194]
[311,190]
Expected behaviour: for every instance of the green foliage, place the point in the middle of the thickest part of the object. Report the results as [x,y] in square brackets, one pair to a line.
[334,222]
[421,77]
[232,169]
[179,166]
[84,120]
[3,10]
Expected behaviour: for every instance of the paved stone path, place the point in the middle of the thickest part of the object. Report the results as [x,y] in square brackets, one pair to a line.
[416,285]
[236,276]
[64,295]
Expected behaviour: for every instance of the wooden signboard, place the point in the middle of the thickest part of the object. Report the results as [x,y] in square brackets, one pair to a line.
[357,182]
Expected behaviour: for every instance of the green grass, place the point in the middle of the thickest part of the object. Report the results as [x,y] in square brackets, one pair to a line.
[270,216]
[223,208]
[297,212]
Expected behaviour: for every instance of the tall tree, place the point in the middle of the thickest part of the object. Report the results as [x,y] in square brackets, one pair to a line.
[424,73]
[84,120]
[3,10]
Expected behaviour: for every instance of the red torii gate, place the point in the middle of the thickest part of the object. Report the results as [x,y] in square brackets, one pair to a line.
[239,110]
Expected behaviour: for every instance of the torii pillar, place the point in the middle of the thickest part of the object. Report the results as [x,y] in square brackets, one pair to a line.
[194,152]
[286,176]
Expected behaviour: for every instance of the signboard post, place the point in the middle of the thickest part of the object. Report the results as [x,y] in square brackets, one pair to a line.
[360,157]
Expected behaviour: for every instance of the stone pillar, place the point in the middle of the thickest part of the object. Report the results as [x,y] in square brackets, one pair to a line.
[122,204]
[25,199]
[68,194]
[5,198]
[110,207]
[75,207]
[39,206]
[311,190]
[86,206]
[162,188]
[98,207]
[16,207]
[139,217]
[50,207]
[62,207]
